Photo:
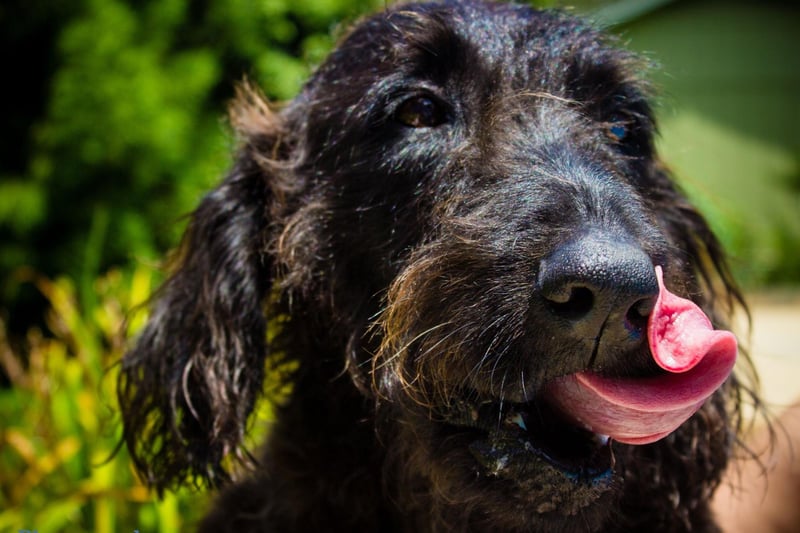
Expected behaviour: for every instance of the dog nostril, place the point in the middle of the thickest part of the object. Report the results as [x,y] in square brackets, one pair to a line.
[644,307]
[573,303]
[638,314]
[597,287]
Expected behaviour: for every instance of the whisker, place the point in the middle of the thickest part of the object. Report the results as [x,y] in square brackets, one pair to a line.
[398,353]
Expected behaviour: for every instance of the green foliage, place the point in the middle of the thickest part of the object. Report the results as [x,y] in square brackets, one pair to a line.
[60,427]
[131,129]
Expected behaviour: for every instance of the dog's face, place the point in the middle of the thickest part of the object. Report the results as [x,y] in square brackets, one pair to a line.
[487,173]
[469,195]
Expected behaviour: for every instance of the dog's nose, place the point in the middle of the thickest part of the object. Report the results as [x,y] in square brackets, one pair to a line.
[601,288]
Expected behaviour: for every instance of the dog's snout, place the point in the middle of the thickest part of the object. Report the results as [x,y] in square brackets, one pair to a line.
[600,286]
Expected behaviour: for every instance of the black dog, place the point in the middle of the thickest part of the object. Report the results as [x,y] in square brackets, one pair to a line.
[440,259]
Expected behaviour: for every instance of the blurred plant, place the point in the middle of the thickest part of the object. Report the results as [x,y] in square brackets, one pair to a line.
[59,428]
[117,125]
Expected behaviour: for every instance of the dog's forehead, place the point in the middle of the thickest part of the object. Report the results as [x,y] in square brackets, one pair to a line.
[486,65]
[507,42]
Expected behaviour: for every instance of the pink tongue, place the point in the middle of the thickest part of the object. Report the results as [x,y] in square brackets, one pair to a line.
[640,411]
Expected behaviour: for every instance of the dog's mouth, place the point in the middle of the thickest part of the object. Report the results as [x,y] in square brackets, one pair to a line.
[572,422]
[515,438]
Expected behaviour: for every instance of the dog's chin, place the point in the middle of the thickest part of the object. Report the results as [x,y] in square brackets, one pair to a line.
[533,454]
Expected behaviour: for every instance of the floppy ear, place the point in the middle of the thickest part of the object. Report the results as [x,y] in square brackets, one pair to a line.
[189,382]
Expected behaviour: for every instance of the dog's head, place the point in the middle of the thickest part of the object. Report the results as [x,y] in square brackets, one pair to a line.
[465,202]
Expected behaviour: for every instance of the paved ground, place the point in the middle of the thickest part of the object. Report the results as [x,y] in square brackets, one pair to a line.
[775,345]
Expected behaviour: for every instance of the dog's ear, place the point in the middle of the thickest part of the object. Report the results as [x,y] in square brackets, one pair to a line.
[189,382]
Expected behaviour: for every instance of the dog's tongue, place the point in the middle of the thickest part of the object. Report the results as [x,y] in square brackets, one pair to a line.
[698,360]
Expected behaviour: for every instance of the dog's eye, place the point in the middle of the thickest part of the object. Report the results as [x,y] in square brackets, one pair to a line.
[420,112]
[617,129]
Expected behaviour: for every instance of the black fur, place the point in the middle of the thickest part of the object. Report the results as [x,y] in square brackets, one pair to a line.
[381,246]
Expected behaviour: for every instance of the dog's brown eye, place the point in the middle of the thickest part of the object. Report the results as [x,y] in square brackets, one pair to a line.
[420,112]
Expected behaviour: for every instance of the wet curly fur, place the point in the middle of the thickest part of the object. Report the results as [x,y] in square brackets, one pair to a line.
[379,247]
